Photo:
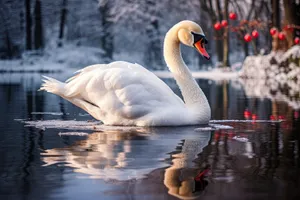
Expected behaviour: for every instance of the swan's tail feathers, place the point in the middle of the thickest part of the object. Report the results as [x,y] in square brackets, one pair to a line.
[52,85]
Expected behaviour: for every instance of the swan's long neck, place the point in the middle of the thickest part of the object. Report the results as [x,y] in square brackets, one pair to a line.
[192,94]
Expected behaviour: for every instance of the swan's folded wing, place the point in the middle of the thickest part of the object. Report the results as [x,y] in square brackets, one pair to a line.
[121,86]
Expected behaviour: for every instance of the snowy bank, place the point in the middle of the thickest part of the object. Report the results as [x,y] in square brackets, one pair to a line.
[215,74]
[53,60]
[276,65]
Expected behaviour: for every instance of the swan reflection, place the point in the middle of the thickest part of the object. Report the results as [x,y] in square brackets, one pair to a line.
[183,178]
[104,155]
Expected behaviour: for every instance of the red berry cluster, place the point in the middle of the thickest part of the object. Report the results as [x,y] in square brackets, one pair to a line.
[281,35]
[224,23]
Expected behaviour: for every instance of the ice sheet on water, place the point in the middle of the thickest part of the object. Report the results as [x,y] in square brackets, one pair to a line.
[64,124]
[78,125]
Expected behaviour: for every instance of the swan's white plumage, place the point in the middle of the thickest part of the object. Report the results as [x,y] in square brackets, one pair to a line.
[122,93]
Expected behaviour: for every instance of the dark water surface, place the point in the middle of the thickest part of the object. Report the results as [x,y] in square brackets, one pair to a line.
[251,161]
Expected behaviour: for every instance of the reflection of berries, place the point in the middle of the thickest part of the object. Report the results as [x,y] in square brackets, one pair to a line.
[247,114]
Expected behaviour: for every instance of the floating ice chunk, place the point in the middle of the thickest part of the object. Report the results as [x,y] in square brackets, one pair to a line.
[83,114]
[245,121]
[19,120]
[64,124]
[72,134]
[221,126]
[48,113]
[205,129]
[240,139]
[213,127]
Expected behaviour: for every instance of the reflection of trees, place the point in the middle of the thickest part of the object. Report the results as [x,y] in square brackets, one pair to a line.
[287,91]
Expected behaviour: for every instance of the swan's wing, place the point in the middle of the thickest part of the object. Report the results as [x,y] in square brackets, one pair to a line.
[122,87]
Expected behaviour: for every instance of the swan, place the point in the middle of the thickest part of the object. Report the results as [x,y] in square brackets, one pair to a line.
[127,94]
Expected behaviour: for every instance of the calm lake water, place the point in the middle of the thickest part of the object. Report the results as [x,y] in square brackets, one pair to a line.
[251,161]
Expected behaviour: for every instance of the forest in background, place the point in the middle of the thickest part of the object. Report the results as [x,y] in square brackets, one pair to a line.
[135,29]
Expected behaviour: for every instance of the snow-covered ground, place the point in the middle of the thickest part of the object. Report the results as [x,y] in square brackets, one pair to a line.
[54,60]
[276,65]
[275,76]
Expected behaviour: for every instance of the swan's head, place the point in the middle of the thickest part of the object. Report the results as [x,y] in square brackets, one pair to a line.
[191,34]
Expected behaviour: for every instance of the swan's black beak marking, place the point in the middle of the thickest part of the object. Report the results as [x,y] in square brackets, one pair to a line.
[199,44]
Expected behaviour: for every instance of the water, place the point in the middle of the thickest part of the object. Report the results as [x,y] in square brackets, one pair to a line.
[251,161]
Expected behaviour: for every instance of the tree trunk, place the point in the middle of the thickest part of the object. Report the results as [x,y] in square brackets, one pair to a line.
[275,23]
[38,28]
[290,17]
[107,37]
[275,13]
[62,22]
[219,33]
[226,37]
[8,44]
[28,24]
[245,47]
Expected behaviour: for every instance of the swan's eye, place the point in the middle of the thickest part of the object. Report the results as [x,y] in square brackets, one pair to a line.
[199,37]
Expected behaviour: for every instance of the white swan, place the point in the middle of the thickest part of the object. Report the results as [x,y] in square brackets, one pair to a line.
[122,93]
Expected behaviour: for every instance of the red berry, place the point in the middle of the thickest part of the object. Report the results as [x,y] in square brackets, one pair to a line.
[280,117]
[289,28]
[297,40]
[217,26]
[281,36]
[224,23]
[272,117]
[273,31]
[247,37]
[232,16]
[254,117]
[255,34]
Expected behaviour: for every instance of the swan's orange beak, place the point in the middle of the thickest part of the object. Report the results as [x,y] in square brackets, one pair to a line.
[201,48]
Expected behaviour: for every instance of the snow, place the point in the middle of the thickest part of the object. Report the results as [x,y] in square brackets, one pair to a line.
[275,76]
[215,74]
[78,125]
[240,139]
[271,65]
[72,134]
[244,121]
[213,127]
[54,59]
